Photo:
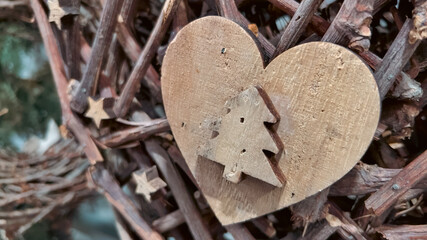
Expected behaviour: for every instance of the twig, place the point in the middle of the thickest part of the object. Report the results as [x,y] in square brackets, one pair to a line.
[140,133]
[123,104]
[71,28]
[390,193]
[265,226]
[320,25]
[239,232]
[99,51]
[115,195]
[351,25]
[179,191]
[347,224]
[403,231]
[319,231]
[395,59]
[297,25]
[168,222]
[364,179]
[133,50]
[12,4]
[55,61]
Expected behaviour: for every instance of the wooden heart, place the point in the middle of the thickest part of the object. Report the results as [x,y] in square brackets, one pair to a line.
[326,99]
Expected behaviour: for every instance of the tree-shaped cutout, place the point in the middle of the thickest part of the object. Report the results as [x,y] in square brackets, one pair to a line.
[241,138]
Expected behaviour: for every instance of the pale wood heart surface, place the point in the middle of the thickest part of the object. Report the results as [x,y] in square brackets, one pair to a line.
[326,96]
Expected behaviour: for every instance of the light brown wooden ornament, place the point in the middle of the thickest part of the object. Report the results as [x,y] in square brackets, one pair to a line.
[326,98]
[100,109]
[240,137]
[148,182]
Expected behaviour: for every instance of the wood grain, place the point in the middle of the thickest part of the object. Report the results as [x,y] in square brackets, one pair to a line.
[326,96]
[239,138]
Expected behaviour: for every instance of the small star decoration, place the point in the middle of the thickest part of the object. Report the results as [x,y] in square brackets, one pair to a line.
[148,182]
[100,109]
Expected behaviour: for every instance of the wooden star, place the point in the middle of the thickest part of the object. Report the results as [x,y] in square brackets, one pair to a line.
[100,109]
[61,8]
[148,182]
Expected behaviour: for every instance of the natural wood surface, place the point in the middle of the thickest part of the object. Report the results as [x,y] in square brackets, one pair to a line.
[311,86]
[239,138]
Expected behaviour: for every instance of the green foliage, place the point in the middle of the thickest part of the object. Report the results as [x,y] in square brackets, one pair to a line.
[26,86]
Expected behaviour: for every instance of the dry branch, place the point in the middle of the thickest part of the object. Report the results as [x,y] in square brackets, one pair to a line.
[145,58]
[395,59]
[382,200]
[177,186]
[70,120]
[115,195]
[100,48]
[351,25]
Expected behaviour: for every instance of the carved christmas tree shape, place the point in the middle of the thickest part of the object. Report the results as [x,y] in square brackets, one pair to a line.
[148,182]
[241,139]
[100,109]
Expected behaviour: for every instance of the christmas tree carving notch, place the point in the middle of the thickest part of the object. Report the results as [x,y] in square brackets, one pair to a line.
[244,139]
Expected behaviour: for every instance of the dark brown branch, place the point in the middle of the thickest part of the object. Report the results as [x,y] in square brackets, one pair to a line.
[403,231]
[99,51]
[115,195]
[184,200]
[239,232]
[169,222]
[389,194]
[177,157]
[144,60]
[351,25]
[55,61]
[71,27]
[405,87]
[364,179]
[310,210]
[319,25]
[297,25]
[319,231]
[133,50]
[395,59]
[140,133]
[265,226]
[347,225]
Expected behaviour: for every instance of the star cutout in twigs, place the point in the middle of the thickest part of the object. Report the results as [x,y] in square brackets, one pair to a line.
[100,109]
[148,182]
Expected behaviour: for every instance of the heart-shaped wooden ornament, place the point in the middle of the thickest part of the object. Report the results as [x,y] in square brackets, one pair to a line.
[258,139]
